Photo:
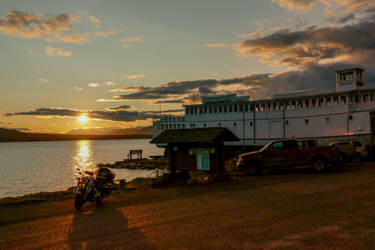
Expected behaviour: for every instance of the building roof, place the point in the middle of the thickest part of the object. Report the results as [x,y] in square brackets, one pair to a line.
[195,135]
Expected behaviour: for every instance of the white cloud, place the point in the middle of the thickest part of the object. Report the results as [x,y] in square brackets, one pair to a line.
[97,85]
[109,84]
[93,84]
[136,76]
[43,80]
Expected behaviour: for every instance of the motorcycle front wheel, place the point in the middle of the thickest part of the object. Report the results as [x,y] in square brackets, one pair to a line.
[78,201]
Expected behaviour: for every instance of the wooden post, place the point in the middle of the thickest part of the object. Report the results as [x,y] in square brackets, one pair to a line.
[171,164]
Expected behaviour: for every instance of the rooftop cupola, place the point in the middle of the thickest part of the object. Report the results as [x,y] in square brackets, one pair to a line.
[349,79]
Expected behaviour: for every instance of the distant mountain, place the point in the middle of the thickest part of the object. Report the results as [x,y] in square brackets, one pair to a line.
[112,131]
[8,135]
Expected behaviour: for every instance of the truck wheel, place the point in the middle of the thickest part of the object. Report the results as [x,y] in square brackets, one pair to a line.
[344,157]
[341,162]
[357,157]
[257,170]
[319,164]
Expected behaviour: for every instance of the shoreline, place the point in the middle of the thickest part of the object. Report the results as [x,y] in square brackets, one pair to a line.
[76,138]
[42,196]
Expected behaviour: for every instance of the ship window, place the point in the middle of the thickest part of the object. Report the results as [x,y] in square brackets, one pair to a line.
[252,107]
[286,122]
[205,109]
[365,97]
[219,124]
[220,109]
[230,108]
[313,102]
[204,125]
[321,101]
[192,125]
[215,109]
[343,99]
[268,106]
[350,117]
[241,108]
[246,108]
[225,108]
[328,99]
[251,124]
[200,110]
[327,119]
[336,99]
[300,104]
[210,109]
[183,125]
[235,108]
[170,126]
[352,98]
[306,121]
[356,98]
[307,102]
[174,126]
[371,97]
[234,124]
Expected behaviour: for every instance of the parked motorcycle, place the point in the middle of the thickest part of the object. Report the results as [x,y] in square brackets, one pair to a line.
[93,186]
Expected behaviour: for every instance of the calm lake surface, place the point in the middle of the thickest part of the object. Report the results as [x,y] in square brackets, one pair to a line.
[31,167]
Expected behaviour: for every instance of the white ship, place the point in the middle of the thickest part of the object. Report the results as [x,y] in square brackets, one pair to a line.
[347,113]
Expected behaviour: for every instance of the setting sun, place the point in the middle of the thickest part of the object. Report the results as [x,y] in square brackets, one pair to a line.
[83,118]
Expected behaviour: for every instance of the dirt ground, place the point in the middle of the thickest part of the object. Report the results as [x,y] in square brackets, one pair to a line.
[290,209]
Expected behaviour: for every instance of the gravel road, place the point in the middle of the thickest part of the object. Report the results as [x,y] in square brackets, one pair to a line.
[290,209]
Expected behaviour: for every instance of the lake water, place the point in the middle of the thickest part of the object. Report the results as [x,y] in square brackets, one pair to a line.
[31,167]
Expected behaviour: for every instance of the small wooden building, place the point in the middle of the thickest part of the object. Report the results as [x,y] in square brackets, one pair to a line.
[196,149]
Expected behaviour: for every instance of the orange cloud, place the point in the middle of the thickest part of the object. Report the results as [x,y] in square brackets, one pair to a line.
[136,76]
[29,25]
[57,52]
[94,19]
[131,39]
[107,33]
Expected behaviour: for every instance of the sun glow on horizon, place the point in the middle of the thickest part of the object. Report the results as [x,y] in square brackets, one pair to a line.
[82,118]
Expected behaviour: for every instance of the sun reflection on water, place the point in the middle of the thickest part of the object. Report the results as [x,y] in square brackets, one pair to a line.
[83,157]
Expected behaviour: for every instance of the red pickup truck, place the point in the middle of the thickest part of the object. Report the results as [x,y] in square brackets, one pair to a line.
[288,153]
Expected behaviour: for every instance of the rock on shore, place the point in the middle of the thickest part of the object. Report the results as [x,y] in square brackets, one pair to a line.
[146,164]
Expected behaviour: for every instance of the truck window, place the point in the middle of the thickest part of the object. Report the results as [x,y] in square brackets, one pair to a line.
[290,145]
[311,144]
[301,145]
[277,146]
[357,144]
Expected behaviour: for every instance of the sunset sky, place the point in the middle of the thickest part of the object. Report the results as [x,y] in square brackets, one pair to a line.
[116,61]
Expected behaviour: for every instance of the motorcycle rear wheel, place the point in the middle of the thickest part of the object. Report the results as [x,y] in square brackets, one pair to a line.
[78,201]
